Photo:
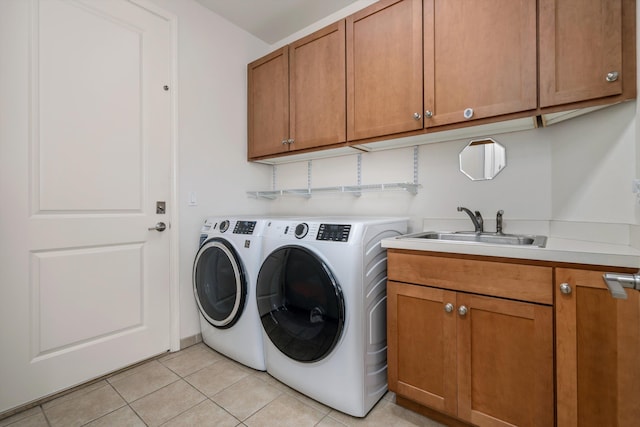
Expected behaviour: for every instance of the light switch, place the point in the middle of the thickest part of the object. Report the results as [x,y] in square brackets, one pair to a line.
[193,199]
[635,188]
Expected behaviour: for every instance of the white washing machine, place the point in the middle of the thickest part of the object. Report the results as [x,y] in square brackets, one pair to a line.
[321,296]
[224,283]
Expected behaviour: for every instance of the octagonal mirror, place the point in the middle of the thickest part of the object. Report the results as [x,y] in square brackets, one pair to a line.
[482,159]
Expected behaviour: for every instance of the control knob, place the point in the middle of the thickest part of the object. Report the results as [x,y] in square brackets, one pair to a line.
[301,230]
[224,226]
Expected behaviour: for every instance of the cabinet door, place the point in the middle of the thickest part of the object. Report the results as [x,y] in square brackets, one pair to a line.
[597,345]
[268,104]
[505,362]
[422,345]
[384,69]
[318,88]
[479,59]
[580,43]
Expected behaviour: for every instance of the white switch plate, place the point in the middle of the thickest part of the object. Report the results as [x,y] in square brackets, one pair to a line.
[635,189]
[193,199]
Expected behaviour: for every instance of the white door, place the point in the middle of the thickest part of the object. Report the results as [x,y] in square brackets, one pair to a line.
[85,154]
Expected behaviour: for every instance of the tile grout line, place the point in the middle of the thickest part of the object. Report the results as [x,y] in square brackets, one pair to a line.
[195,388]
[126,404]
[44,414]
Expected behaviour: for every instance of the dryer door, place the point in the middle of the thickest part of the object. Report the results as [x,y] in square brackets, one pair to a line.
[219,283]
[300,303]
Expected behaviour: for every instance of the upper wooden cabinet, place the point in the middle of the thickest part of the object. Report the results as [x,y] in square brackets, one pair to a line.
[479,59]
[384,69]
[297,95]
[317,88]
[268,104]
[407,67]
[587,48]
[597,348]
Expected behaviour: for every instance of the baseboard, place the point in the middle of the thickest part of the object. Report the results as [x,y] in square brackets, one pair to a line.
[189,341]
[430,413]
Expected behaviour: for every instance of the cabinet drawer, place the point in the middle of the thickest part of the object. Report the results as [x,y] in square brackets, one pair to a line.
[515,281]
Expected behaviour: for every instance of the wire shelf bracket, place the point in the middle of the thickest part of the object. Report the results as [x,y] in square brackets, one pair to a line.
[356,190]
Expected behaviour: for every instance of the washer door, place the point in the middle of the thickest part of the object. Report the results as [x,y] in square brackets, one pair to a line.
[219,283]
[300,304]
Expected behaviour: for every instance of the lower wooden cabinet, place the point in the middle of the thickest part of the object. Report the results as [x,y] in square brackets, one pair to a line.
[597,352]
[421,340]
[472,340]
[483,360]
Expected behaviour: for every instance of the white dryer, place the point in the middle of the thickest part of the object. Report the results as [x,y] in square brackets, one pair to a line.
[321,294]
[224,284]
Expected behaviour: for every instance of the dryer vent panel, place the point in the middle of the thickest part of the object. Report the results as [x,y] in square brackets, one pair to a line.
[375,307]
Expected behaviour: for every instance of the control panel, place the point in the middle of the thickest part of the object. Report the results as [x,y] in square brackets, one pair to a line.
[334,232]
[244,227]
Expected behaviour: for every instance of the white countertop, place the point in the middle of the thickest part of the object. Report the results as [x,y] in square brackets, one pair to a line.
[558,250]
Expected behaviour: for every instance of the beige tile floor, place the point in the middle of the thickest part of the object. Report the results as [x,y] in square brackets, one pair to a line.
[199,387]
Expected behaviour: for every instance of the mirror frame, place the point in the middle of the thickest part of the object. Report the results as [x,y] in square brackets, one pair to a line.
[482,159]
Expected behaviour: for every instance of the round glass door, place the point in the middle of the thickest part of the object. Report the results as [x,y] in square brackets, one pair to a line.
[300,304]
[219,283]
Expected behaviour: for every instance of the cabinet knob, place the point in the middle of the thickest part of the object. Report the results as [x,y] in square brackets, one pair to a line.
[448,307]
[428,114]
[417,116]
[462,310]
[468,113]
[284,142]
[290,141]
[612,76]
[565,288]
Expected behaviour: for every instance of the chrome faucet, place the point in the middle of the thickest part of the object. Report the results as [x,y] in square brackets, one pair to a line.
[476,218]
[499,221]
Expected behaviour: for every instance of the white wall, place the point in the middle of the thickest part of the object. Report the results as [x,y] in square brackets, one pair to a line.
[578,170]
[594,163]
[522,189]
[212,131]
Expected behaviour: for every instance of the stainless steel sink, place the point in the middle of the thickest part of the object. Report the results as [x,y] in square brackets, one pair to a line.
[489,238]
